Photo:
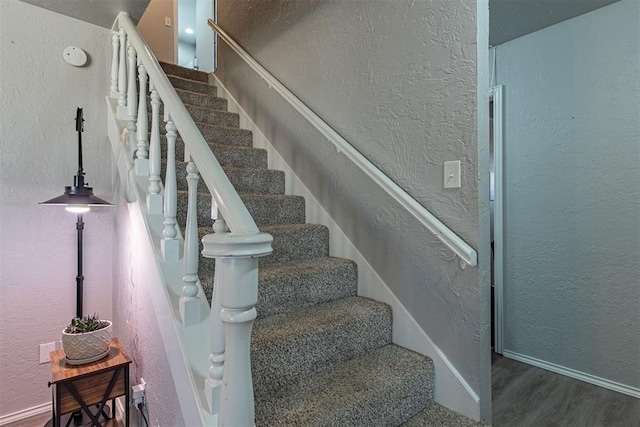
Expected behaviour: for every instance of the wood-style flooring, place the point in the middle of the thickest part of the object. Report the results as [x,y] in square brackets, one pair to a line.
[526,396]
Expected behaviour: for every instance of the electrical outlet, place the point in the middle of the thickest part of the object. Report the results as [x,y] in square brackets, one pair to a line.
[47,348]
[452,174]
[138,392]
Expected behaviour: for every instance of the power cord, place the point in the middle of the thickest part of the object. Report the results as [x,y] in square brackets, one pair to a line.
[141,409]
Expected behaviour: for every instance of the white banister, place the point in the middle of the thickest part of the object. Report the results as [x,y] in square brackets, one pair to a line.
[228,385]
[122,74]
[115,43]
[211,172]
[131,98]
[142,154]
[170,246]
[154,198]
[466,253]
[189,304]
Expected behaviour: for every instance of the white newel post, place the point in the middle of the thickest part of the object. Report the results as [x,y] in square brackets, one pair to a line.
[189,304]
[170,244]
[122,76]
[115,43]
[142,154]
[131,99]
[154,198]
[213,383]
[237,280]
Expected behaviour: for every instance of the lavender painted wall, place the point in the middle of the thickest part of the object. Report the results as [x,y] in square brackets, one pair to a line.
[137,326]
[40,93]
[572,197]
[398,81]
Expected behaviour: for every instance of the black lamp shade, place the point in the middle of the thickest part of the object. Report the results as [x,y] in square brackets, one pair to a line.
[77,196]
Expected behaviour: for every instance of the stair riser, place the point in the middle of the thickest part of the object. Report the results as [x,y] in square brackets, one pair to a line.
[202,100]
[285,292]
[287,246]
[200,115]
[277,363]
[245,181]
[263,210]
[185,73]
[239,157]
[192,86]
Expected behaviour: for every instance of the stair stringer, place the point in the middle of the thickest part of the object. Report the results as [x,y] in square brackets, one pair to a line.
[451,389]
[187,349]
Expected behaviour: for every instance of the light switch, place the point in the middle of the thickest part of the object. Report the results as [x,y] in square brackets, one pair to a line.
[452,174]
[167,21]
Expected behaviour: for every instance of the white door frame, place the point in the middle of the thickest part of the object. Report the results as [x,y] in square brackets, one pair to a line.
[498,218]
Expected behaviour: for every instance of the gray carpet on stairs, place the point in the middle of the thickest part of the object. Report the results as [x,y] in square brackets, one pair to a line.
[321,356]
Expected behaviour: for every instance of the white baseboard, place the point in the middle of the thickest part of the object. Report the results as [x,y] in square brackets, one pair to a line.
[572,373]
[25,413]
[451,389]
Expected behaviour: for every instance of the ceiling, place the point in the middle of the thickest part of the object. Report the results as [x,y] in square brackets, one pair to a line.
[510,19]
[99,12]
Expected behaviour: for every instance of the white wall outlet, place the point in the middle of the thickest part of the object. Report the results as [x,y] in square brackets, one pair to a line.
[452,174]
[167,21]
[47,348]
[138,392]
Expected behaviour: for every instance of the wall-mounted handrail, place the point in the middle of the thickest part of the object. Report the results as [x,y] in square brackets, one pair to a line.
[433,224]
[228,201]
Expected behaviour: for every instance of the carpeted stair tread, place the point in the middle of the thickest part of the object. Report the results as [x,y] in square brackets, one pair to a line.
[264,209]
[226,135]
[210,116]
[382,388]
[291,242]
[186,73]
[290,347]
[290,286]
[192,85]
[202,100]
[244,180]
[227,155]
[435,415]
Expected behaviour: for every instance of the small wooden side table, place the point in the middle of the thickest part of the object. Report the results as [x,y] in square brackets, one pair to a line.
[77,387]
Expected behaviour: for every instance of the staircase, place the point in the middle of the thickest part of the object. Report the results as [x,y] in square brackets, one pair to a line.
[320,355]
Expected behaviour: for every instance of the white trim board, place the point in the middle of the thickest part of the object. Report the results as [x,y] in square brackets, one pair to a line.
[572,373]
[25,413]
[451,389]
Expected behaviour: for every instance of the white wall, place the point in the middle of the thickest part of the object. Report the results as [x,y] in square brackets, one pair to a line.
[137,326]
[205,37]
[40,93]
[162,40]
[186,53]
[398,81]
[572,248]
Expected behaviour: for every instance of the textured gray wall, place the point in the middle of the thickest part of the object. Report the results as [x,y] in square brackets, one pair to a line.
[572,253]
[40,93]
[398,81]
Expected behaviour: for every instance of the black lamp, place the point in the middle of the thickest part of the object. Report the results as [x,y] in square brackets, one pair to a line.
[77,198]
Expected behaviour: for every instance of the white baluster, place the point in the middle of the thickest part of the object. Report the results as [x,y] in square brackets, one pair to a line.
[170,245]
[154,198]
[131,99]
[115,42]
[122,76]
[237,280]
[189,304]
[142,154]
[213,382]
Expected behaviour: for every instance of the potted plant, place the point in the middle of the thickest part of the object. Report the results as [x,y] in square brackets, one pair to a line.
[86,339]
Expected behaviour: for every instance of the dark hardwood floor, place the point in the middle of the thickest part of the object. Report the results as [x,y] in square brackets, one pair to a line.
[526,396]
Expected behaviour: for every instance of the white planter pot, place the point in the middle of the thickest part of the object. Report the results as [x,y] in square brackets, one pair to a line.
[87,347]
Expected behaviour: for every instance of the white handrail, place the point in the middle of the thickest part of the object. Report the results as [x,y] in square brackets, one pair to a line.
[227,199]
[433,224]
